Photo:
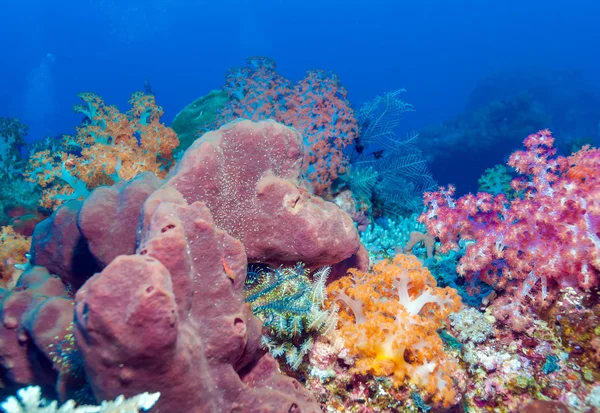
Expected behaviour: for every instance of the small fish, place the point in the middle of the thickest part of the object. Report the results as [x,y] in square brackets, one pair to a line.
[228,271]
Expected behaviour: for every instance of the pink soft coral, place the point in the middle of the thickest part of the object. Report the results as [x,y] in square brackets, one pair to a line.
[545,239]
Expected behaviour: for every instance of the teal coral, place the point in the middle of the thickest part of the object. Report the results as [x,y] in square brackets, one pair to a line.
[198,117]
[420,403]
[443,269]
[384,238]
[291,307]
[12,140]
[496,181]
[449,340]
[551,364]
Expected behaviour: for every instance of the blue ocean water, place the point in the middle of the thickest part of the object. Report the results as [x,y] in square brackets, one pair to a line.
[437,49]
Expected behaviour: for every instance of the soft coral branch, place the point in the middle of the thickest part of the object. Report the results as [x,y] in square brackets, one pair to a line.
[109,146]
[389,320]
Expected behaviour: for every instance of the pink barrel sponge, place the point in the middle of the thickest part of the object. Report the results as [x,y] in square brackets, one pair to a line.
[248,173]
[172,318]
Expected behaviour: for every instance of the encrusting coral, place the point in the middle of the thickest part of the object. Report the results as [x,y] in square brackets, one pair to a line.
[389,319]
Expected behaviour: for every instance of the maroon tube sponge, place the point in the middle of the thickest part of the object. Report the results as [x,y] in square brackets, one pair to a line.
[248,173]
[33,313]
[81,238]
[172,318]
[58,245]
[109,217]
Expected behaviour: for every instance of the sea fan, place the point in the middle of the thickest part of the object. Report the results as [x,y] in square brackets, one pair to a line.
[388,171]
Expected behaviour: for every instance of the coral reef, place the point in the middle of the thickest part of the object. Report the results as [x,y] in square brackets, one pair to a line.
[210,273]
[159,285]
[509,370]
[13,250]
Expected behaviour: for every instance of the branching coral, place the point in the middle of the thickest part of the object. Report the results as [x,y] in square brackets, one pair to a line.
[385,237]
[109,147]
[291,307]
[389,320]
[29,400]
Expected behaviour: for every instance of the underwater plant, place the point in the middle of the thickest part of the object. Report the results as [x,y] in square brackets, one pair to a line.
[109,146]
[291,307]
[389,319]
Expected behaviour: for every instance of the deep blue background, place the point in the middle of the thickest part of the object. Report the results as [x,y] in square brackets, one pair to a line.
[437,49]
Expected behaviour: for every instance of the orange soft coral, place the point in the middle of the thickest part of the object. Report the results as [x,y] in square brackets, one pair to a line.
[111,146]
[389,321]
[13,248]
